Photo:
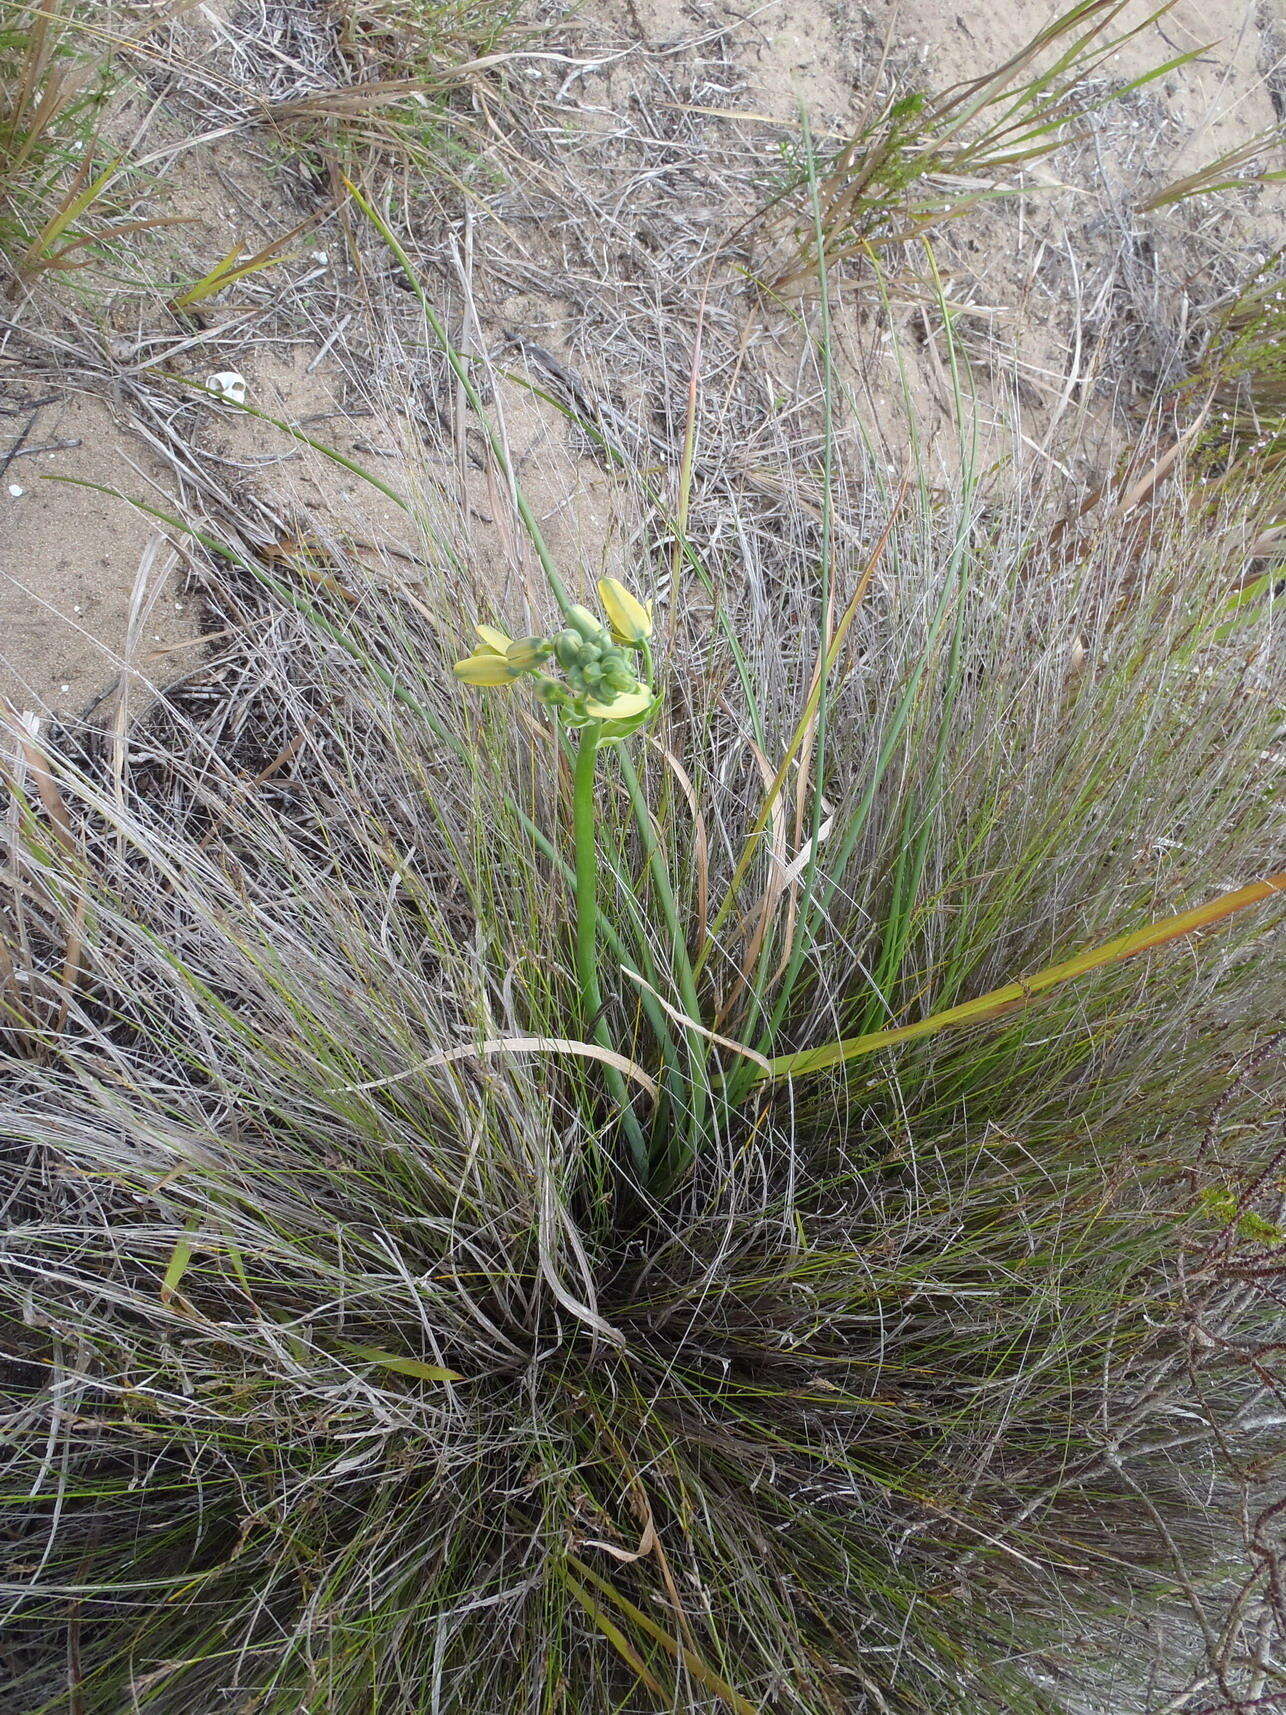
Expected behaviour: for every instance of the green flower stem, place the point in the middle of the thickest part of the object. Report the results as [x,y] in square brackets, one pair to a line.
[586,872]
[696,1091]
[586,868]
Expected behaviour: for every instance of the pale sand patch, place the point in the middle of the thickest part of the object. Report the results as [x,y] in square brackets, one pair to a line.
[584,514]
[69,559]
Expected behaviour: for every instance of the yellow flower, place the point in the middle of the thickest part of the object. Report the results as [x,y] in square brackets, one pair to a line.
[629,618]
[485,669]
[621,707]
[493,638]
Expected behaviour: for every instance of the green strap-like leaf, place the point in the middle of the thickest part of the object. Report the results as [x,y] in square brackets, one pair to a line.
[1023,989]
[404,1366]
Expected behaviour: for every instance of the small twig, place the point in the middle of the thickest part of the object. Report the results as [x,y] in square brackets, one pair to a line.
[21,452]
[17,446]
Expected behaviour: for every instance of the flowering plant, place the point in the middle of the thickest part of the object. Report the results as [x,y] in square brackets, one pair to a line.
[598,685]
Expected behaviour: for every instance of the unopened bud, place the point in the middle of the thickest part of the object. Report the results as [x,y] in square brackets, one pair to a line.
[584,621]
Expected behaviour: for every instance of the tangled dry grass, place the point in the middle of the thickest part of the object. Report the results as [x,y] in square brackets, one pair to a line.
[347,1366]
[340,1373]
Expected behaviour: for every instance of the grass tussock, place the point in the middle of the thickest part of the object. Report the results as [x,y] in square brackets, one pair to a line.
[1242,377]
[354,1363]
[403,83]
[71,195]
[922,159]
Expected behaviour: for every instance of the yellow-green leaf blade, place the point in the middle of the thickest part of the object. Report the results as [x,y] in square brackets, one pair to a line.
[1012,994]
[177,1267]
[403,1366]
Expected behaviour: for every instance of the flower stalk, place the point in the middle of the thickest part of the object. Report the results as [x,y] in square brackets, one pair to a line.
[584,837]
[601,696]
[586,868]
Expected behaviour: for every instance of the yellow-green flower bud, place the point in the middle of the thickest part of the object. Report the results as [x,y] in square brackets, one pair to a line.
[629,618]
[590,628]
[619,679]
[526,653]
[485,669]
[567,648]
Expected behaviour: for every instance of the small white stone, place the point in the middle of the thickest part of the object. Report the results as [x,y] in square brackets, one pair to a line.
[16,489]
[228,385]
[321,256]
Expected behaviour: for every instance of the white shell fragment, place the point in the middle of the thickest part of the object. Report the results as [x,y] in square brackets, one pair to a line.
[229,385]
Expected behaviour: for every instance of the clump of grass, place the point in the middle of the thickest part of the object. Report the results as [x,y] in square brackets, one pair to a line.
[51,98]
[920,161]
[1242,376]
[357,1361]
[402,36]
[66,203]
[405,66]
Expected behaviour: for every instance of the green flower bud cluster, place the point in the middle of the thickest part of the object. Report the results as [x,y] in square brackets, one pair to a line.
[595,666]
[599,684]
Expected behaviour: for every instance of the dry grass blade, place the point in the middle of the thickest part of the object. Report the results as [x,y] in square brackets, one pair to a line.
[25,728]
[500,1045]
[681,1017]
[356,100]
[39,769]
[1224,173]
[700,847]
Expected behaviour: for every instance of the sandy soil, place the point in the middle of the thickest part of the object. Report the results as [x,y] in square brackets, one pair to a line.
[651,124]
[85,596]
